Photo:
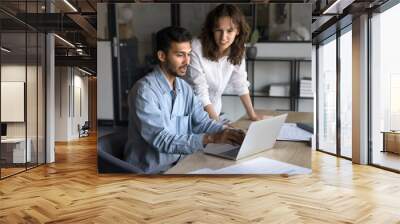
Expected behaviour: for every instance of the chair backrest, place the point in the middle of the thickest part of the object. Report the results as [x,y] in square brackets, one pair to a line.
[110,150]
[113,143]
[85,126]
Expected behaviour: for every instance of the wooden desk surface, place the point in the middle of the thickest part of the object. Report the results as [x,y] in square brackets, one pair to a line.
[296,153]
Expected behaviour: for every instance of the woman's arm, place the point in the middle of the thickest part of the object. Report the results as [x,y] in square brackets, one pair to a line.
[241,86]
[196,76]
[211,112]
[249,108]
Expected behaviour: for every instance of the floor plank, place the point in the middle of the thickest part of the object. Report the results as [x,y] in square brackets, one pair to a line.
[71,191]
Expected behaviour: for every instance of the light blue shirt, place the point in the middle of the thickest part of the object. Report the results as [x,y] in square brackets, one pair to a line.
[163,127]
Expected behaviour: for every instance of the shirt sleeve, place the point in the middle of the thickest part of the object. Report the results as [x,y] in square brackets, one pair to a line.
[238,79]
[149,121]
[196,76]
[201,122]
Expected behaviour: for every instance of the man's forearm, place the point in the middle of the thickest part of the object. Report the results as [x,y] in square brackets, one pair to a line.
[166,142]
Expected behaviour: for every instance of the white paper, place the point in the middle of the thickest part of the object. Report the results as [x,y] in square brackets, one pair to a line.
[260,165]
[290,132]
[202,171]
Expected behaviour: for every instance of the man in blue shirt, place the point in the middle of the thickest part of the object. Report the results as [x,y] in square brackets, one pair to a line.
[166,120]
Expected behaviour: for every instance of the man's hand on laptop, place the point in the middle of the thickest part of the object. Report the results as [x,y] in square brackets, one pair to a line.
[230,136]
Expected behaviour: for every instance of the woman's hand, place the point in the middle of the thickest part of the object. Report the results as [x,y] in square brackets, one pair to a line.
[258,117]
[246,100]
[211,112]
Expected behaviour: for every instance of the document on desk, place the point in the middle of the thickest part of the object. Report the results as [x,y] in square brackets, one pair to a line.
[260,165]
[290,132]
[203,171]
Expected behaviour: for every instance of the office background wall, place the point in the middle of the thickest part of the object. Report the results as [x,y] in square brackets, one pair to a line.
[287,39]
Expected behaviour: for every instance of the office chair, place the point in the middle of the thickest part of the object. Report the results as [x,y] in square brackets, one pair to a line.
[110,149]
[84,130]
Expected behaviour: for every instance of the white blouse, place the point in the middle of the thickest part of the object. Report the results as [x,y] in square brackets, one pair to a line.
[210,78]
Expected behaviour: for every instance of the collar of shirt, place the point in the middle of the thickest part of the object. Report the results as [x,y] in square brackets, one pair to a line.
[164,85]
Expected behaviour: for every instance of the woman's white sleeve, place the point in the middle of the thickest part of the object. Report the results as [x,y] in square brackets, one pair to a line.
[197,79]
[238,80]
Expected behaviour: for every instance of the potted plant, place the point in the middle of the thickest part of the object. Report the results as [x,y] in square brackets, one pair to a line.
[251,51]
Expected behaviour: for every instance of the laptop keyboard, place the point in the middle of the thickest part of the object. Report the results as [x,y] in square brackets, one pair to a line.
[231,153]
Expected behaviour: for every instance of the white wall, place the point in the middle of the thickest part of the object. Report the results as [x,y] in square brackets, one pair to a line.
[71,87]
[15,72]
[61,103]
[284,50]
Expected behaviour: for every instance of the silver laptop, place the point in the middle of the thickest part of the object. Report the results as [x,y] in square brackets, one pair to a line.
[260,136]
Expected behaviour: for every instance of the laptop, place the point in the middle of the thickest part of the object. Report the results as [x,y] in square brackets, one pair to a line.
[260,136]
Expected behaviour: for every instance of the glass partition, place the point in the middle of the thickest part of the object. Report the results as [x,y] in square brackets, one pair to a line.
[22,79]
[14,152]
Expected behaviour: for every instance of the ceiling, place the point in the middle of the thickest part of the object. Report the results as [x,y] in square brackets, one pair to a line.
[330,15]
[73,20]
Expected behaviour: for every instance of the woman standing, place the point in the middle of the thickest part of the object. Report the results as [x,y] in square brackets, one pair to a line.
[218,60]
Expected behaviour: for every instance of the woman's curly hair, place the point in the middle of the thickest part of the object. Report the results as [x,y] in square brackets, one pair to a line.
[237,49]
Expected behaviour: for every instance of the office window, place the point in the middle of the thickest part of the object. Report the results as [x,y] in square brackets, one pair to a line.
[346,93]
[327,96]
[385,88]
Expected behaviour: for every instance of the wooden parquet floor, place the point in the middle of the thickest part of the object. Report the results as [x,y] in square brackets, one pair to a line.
[71,191]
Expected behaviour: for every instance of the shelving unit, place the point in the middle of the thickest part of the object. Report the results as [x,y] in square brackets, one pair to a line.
[294,79]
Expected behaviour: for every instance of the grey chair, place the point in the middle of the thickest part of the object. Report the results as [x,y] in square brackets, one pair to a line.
[110,149]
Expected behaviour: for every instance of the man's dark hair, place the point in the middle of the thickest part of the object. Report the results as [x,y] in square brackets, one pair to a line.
[171,34]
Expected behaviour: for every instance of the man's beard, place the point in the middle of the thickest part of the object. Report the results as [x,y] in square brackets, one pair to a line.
[168,67]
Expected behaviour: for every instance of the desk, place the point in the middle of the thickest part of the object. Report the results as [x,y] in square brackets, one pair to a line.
[13,150]
[391,141]
[296,153]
